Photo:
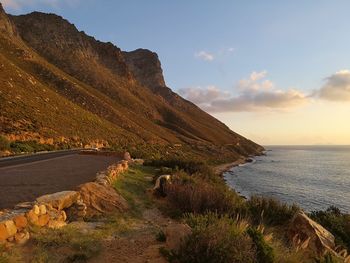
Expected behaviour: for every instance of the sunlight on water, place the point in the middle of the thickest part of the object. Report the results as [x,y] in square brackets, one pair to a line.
[314,177]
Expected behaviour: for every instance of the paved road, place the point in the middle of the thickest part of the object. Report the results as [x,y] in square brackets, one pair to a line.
[24,179]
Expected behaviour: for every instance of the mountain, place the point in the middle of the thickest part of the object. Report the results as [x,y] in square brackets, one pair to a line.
[60,86]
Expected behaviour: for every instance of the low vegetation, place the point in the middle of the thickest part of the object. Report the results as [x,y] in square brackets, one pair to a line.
[68,244]
[336,222]
[270,211]
[216,239]
[4,144]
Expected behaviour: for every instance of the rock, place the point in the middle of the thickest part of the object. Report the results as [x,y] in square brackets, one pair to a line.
[43,210]
[60,200]
[159,186]
[20,221]
[25,205]
[22,237]
[7,229]
[43,220]
[101,199]
[36,209]
[77,212]
[307,234]
[138,161]
[127,156]
[175,233]
[55,224]
[32,217]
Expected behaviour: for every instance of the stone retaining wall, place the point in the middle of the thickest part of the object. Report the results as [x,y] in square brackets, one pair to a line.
[53,210]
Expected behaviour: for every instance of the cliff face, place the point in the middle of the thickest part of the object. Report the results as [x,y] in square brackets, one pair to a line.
[58,82]
[146,67]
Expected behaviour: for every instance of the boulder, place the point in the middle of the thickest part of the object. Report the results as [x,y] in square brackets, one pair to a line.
[43,220]
[101,199]
[307,234]
[127,156]
[55,224]
[59,200]
[32,217]
[20,221]
[159,187]
[175,233]
[7,229]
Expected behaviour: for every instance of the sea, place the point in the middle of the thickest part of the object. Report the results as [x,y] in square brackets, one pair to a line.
[314,177]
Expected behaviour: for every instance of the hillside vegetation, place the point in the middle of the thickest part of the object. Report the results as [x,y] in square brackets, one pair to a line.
[61,87]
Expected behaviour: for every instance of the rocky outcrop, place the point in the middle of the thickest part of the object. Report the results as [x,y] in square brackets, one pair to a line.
[309,235]
[146,68]
[101,199]
[5,24]
[60,200]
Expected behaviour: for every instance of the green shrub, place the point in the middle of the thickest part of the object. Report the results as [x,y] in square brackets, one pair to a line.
[189,166]
[161,237]
[270,211]
[19,147]
[30,146]
[265,253]
[4,144]
[215,239]
[336,222]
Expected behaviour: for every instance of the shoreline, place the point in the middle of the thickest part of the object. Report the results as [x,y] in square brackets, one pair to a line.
[222,168]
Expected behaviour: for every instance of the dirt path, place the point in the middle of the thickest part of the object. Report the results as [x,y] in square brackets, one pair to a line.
[139,244]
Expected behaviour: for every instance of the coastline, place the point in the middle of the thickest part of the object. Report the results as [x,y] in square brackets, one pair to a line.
[222,168]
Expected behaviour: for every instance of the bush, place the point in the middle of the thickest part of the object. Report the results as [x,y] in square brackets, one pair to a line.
[4,144]
[270,211]
[336,222]
[19,147]
[264,251]
[189,166]
[30,146]
[195,195]
[215,239]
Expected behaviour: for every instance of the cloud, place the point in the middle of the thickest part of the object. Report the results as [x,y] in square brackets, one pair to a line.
[19,4]
[201,96]
[336,88]
[204,56]
[254,94]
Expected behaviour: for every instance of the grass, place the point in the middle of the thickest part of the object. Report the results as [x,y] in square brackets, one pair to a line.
[77,245]
[133,184]
[215,239]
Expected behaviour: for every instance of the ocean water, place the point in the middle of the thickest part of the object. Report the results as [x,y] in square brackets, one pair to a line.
[313,177]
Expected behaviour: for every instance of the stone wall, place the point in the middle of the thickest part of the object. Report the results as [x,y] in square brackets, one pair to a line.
[56,210]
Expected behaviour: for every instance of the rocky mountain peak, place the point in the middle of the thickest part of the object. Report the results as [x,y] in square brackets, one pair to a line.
[5,24]
[146,67]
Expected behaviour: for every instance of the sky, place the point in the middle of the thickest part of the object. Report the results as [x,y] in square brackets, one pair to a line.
[277,72]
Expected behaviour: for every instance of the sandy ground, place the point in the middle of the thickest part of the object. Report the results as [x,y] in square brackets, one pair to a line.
[220,169]
[25,182]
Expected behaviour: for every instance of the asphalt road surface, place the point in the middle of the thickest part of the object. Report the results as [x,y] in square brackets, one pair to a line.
[26,178]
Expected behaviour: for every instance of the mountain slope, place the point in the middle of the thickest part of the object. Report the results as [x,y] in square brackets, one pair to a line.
[59,85]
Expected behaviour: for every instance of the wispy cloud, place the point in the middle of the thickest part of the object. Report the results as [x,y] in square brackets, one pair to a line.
[255,93]
[19,4]
[210,56]
[204,55]
[336,87]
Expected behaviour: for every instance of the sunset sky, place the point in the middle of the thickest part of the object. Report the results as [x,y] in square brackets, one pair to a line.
[277,72]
